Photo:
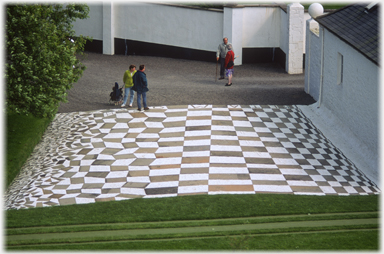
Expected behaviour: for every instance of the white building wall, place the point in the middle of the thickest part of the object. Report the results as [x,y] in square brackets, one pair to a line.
[261,27]
[313,61]
[246,27]
[92,26]
[168,25]
[355,102]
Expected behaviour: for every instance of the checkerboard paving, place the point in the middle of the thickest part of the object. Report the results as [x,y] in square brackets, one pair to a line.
[185,150]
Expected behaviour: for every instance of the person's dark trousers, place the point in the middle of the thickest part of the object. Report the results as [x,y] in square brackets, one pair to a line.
[222,62]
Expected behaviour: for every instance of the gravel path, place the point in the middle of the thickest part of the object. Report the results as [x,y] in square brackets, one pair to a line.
[185,82]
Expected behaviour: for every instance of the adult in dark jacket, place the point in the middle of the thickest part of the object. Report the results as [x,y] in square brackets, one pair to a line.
[141,87]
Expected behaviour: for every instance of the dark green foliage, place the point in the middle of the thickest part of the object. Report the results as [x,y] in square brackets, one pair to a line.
[41,62]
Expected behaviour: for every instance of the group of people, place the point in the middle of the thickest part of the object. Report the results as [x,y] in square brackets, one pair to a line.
[226,57]
[135,81]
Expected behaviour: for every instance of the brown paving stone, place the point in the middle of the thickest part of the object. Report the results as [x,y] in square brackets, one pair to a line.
[141,162]
[108,126]
[87,195]
[197,138]
[131,135]
[120,130]
[77,180]
[322,183]
[90,157]
[119,168]
[259,160]
[230,165]
[166,178]
[116,180]
[240,188]
[246,129]
[196,148]
[85,151]
[155,119]
[110,151]
[193,182]
[161,191]
[68,174]
[137,125]
[104,199]
[98,145]
[222,122]
[169,166]
[224,133]
[74,163]
[113,140]
[102,162]
[194,171]
[239,118]
[109,191]
[60,187]
[169,155]
[152,130]
[199,117]
[264,171]
[67,201]
[188,160]
[306,189]
[226,154]
[130,145]
[172,134]
[138,115]
[220,113]
[298,178]
[171,144]
[229,176]
[198,128]
[93,185]
[260,149]
[174,124]
[146,150]
[225,142]
[265,182]
[123,195]
[176,114]
[73,191]
[153,140]
[124,156]
[56,196]
[138,173]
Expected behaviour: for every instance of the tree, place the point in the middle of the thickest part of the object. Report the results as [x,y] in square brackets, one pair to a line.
[41,61]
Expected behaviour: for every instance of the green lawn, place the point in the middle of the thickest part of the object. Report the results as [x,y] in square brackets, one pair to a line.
[23,133]
[201,222]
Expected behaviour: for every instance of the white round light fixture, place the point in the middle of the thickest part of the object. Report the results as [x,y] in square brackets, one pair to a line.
[315,10]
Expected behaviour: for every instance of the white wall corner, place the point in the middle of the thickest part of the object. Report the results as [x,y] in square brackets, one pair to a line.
[294,58]
[233,30]
[108,29]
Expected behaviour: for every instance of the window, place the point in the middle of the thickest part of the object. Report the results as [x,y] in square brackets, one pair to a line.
[340,69]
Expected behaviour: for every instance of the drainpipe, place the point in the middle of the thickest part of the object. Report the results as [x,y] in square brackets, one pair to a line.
[308,51]
[322,68]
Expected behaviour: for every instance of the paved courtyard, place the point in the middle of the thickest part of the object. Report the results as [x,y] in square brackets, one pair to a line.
[117,154]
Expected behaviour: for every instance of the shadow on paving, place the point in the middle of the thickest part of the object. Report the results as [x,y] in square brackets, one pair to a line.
[185,82]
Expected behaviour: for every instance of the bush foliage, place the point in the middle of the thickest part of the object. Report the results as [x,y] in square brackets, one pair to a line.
[41,62]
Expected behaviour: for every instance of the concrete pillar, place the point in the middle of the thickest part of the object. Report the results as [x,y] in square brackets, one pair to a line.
[294,59]
[233,30]
[108,29]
